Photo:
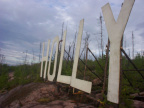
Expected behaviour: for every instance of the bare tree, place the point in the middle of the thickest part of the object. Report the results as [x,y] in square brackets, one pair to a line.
[40,51]
[2,58]
[86,40]
[74,44]
[62,30]
[25,59]
[101,33]
[69,51]
[33,58]
[61,36]
[132,45]
[98,45]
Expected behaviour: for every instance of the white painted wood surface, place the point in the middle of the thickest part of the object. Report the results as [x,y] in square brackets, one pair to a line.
[46,61]
[115,32]
[63,78]
[51,77]
[42,60]
[77,83]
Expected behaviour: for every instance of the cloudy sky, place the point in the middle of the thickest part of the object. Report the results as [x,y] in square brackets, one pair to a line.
[26,23]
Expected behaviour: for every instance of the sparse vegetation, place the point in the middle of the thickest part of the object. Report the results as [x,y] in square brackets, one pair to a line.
[24,74]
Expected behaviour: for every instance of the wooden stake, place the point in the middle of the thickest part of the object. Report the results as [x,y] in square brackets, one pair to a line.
[86,59]
[106,67]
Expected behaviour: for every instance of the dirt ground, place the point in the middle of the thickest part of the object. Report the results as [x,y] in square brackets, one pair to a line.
[40,95]
[52,95]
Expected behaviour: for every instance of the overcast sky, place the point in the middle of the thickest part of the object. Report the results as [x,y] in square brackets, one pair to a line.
[26,23]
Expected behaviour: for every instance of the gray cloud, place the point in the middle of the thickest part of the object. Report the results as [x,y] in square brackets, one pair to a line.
[24,24]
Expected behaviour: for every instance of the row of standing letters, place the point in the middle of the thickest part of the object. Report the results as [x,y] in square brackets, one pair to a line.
[115,31]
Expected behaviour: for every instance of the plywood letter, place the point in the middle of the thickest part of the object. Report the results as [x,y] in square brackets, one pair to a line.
[51,77]
[77,83]
[44,58]
[115,32]
[63,78]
